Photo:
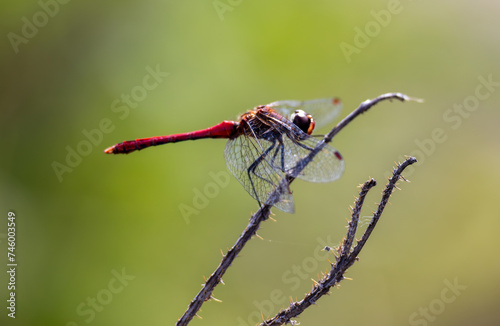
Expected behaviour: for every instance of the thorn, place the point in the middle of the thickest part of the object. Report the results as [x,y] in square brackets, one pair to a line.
[222,282]
[198,316]
[315,283]
[222,253]
[215,299]
[272,219]
[258,236]
[347,278]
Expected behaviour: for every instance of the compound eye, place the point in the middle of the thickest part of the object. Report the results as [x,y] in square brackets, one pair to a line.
[304,121]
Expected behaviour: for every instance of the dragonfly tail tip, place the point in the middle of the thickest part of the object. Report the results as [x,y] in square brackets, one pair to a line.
[109,150]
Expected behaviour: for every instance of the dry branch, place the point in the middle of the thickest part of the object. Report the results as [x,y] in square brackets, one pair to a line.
[346,255]
[263,213]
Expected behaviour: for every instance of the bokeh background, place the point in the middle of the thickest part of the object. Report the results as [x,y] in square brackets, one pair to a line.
[105,240]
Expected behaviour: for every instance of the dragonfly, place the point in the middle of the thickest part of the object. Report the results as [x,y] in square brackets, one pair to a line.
[265,144]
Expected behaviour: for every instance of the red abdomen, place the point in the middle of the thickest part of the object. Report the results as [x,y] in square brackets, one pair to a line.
[225,129]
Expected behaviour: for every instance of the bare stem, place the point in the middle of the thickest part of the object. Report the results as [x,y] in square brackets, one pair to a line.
[346,257]
[263,213]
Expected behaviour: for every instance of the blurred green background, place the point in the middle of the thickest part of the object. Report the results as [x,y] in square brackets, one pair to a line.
[110,229]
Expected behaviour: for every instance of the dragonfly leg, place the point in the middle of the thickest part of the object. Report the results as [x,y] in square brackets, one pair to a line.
[304,146]
[253,167]
[281,150]
[282,147]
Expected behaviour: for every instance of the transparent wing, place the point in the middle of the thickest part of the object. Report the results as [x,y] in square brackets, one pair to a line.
[248,159]
[324,111]
[269,147]
[326,166]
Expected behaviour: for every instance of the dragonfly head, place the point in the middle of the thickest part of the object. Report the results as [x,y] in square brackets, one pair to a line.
[304,121]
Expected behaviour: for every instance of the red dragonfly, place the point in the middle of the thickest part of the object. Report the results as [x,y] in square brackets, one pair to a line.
[264,145]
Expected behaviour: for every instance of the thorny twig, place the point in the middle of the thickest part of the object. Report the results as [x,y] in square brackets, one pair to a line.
[263,213]
[346,255]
